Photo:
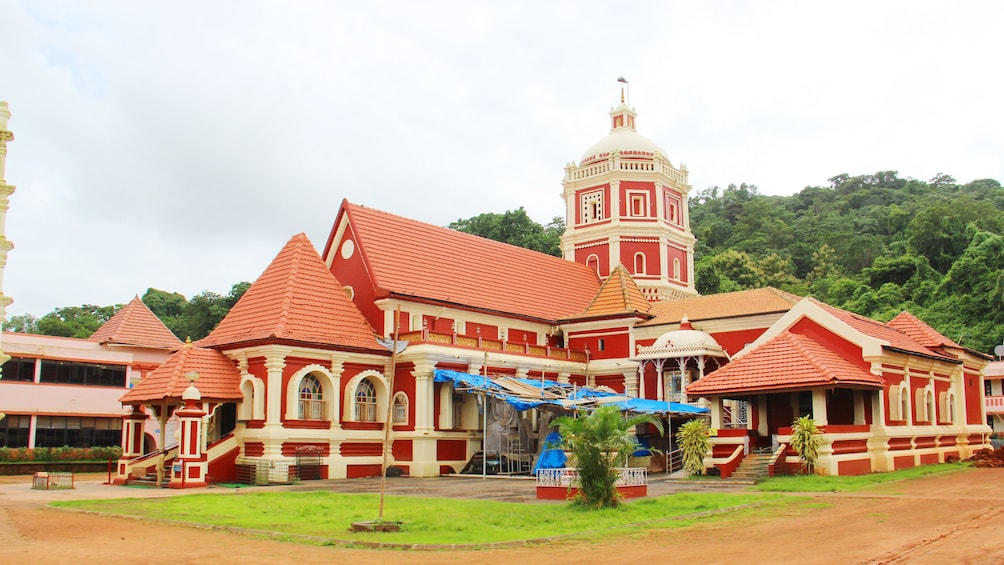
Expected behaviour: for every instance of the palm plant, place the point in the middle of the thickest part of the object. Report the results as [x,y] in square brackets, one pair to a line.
[600,443]
[806,439]
[694,440]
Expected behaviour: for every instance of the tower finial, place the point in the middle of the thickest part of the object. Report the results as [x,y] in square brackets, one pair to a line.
[623,81]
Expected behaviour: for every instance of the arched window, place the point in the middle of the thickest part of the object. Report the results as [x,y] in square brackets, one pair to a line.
[366,402]
[947,405]
[899,402]
[400,409]
[676,269]
[639,263]
[311,399]
[925,405]
[593,262]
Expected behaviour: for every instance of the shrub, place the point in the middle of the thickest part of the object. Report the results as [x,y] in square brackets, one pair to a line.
[694,440]
[65,453]
[806,439]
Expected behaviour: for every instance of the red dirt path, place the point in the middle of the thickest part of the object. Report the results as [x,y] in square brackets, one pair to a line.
[953,518]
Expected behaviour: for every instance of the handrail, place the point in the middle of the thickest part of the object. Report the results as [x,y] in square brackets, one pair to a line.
[730,464]
[771,467]
[674,461]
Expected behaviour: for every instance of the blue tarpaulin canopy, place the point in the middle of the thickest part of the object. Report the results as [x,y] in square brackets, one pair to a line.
[524,394]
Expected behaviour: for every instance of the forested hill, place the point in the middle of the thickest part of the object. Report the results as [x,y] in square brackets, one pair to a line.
[872,244]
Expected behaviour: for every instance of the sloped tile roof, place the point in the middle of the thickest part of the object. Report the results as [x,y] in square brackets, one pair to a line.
[412,258]
[619,294]
[920,332]
[296,299]
[136,324]
[219,378]
[895,338]
[729,304]
[787,362]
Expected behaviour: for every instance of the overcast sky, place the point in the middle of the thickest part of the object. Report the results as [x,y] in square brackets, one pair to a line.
[179,145]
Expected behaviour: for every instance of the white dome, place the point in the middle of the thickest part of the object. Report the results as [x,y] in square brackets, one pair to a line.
[622,139]
[687,339]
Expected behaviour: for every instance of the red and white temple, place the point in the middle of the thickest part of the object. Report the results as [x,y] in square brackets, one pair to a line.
[297,367]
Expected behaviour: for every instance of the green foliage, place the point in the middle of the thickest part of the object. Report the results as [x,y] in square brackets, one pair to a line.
[806,439]
[56,454]
[874,244]
[694,440]
[600,443]
[75,321]
[22,323]
[515,228]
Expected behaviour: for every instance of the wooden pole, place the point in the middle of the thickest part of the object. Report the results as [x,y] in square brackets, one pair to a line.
[388,419]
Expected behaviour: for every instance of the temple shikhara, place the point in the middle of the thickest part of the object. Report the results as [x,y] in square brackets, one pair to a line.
[432,332]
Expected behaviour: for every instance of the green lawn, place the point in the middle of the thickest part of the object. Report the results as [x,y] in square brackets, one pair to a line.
[819,483]
[328,515]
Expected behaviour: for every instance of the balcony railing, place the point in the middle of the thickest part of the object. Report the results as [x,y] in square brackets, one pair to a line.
[994,404]
[478,342]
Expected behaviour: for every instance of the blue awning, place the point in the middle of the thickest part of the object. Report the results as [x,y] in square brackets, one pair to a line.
[524,394]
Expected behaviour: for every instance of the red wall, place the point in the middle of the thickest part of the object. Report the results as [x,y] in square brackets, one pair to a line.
[616,343]
[836,344]
[353,272]
[602,252]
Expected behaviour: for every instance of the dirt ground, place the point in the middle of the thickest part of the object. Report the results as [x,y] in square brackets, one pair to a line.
[954,518]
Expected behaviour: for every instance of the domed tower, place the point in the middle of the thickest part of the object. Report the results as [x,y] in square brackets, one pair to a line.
[626,204]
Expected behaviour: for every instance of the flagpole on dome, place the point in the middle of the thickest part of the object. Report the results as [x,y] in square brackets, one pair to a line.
[624,88]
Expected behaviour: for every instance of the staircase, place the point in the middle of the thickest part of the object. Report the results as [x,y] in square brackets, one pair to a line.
[151,479]
[753,468]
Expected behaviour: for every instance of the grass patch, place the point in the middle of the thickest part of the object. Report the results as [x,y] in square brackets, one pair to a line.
[820,483]
[426,520]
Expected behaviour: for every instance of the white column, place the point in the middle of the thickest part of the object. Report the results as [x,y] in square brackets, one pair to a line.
[819,407]
[275,362]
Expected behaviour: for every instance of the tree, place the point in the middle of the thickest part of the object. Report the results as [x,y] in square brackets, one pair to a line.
[806,439]
[694,440]
[600,442]
[76,321]
[205,310]
[515,228]
[22,323]
[169,307]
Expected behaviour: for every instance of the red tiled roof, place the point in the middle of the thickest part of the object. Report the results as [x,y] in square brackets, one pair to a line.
[893,336]
[219,378]
[726,305]
[135,324]
[786,362]
[412,258]
[619,294]
[920,332]
[296,299]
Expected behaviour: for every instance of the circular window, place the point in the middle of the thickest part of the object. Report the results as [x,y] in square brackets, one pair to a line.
[348,248]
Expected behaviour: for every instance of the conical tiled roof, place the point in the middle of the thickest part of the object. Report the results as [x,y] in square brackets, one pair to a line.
[619,294]
[787,362]
[218,379]
[414,259]
[136,324]
[295,300]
